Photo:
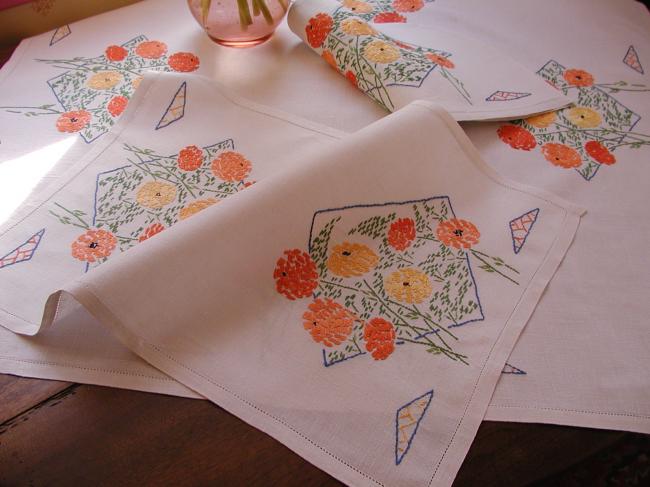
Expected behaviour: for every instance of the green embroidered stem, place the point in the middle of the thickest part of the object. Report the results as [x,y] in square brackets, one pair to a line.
[83,225]
[498,261]
[490,268]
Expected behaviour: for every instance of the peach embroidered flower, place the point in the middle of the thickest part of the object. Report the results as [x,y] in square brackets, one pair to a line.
[408,285]
[196,206]
[73,121]
[351,259]
[352,78]
[457,233]
[184,62]
[381,52]
[150,231]
[117,105]
[151,49]
[329,59]
[358,6]
[318,29]
[115,53]
[600,153]
[408,5]
[190,158]
[104,80]
[295,274]
[389,18]
[543,120]
[561,155]
[155,194]
[379,335]
[584,117]
[231,166]
[357,27]
[136,82]
[578,77]
[93,245]
[441,61]
[328,322]
[401,234]
[517,137]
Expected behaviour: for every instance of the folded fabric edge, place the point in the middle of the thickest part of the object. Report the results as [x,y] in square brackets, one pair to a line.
[15,59]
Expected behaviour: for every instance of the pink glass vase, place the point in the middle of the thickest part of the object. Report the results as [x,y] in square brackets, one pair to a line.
[239,23]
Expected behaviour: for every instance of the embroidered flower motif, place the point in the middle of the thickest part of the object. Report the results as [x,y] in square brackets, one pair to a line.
[517,137]
[295,274]
[351,259]
[190,158]
[155,194]
[104,80]
[116,53]
[561,155]
[151,49]
[408,285]
[403,45]
[73,121]
[401,234]
[329,59]
[542,121]
[457,233]
[379,335]
[389,18]
[136,82]
[196,206]
[357,27]
[318,29]
[441,61]
[183,62]
[328,322]
[231,166]
[578,77]
[408,5]
[584,117]
[352,78]
[150,231]
[357,6]
[381,52]
[599,153]
[117,105]
[93,245]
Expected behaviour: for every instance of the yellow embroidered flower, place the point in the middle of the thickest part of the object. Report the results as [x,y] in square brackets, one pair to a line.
[381,52]
[356,27]
[156,194]
[195,206]
[408,285]
[542,120]
[351,259]
[584,117]
[358,6]
[104,80]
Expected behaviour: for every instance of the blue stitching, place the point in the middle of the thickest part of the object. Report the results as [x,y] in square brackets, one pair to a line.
[52,41]
[398,457]
[513,370]
[40,234]
[631,48]
[184,88]
[512,233]
[521,95]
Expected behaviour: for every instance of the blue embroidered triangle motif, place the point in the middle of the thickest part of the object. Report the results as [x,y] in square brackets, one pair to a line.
[407,421]
[506,96]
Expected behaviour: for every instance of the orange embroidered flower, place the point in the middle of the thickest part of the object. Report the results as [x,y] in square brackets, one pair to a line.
[184,62]
[190,158]
[543,120]
[318,29]
[401,234]
[403,45]
[441,61]
[351,259]
[357,27]
[578,77]
[150,231]
[116,53]
[600,153]
[352,78]
[93,245]
[408,5]
[379,335]
[358,6]
[295,274]
[329,59]
[136,82]
[155,194]
[457,233]
[561,155]
[73,121]
[104,80]
[196,206]
[381,52]
[584,117]
[328,322]
[408,285]
[117,105]
[517,137]
[389,18]
[151,49]
[231,166]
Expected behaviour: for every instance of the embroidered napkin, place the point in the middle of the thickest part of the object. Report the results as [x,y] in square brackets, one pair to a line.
[395,66]
[357,307]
